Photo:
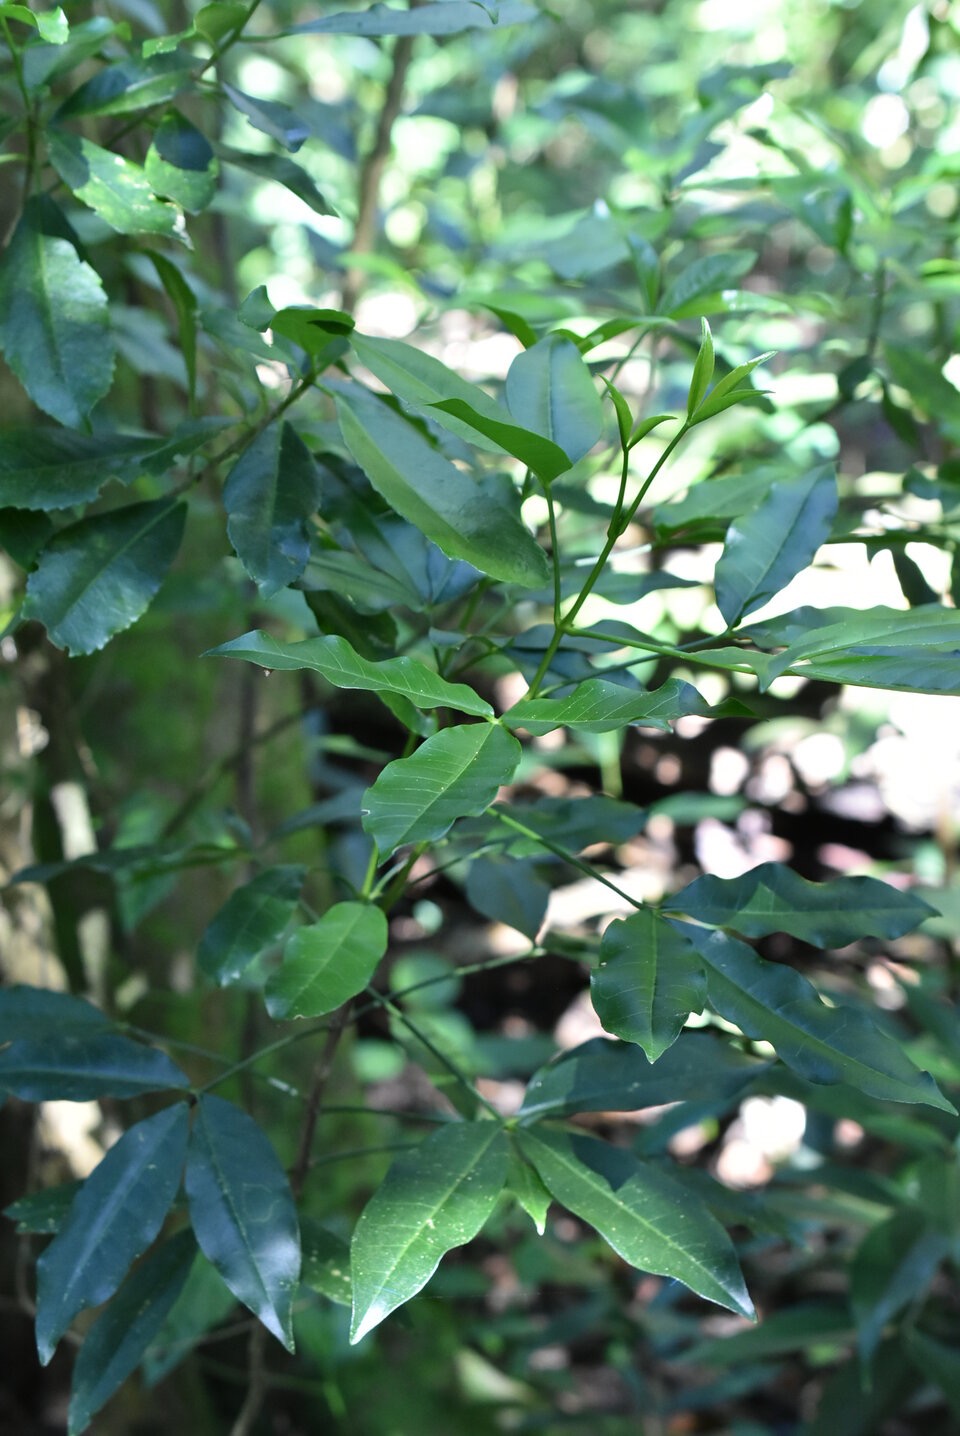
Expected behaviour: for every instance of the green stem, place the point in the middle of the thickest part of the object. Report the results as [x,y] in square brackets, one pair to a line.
[445,1061]
[567,857]
[30,163]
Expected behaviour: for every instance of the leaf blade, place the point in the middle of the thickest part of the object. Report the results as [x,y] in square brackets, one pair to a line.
[649,980]
[327,963]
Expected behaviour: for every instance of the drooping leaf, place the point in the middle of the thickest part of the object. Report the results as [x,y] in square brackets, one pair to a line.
[455,774]
[525,1183]
[115,1344]
[462,517]
[114,1217]
[649,980]
[281,170]
[549,390]
[270,117]
[54,320]
[432,1199]
[508,890]
[181,164]
[116,188]
[270,493]
[773,898]
[649,1219]
[243,1212]
[443,17]
[131,84]
[599,706]
[546,459]
[251,921]
[772,1002]
[97,576]
[46,468]
[327,963]
[340,664]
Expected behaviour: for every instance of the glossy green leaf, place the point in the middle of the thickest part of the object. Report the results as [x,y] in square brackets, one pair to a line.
[80,1064]
[181,164]
[270,494]
[599,706]
[431,1200]
[771,1002]
[649,979]
[115,1344]
[327,963]
[51,25]
[545,458]
[649,1219]
[731,389]
[765,549]
[326,1262]
[129,85]
[270,117]
[243,1213]
[54,322]
[550,390]
[114,1217]
[40,1013]
[46,468]
[455,774]
[117,189]
[773,898]
[892,1268]
[702,370]
[251,922]
[703,278]
[463,517]
[912,651]
[443,17]
[606,1076]
[340,664]
[507,889]
[98,576]
[280,169]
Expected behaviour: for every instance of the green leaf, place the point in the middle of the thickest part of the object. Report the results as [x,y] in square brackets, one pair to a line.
[650,1220]
[455,774]
[712,503]
[114,1217]
[649,980]
[432,1199]
[311,328]
[51,25]
[507,889]
[204,1302]
[340,664]
[82,1064]
[573,823]
[243,1213]
[767,548]
[704,278]
[605,1076]
[128,85]
[54,320]
[184,301]
[775,1004]
[543,456]
[702,370]
[269,117]
[773,898]
[327,963]
[43,1213]
[270,493]
[728,391]
[181,164]
[44,468]
[444,17]
[326,1262]
[524,1183]
[41,1013]
[251,921]
[599,706]
[23,534]
[912,651]
[117,189]
[892,1268]
[115,1344]
[98,576]
[937,1362]
[550,391]
[461,516]
[280,169]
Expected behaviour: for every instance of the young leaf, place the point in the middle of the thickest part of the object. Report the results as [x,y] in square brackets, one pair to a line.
[97,576]
[340,664]
[117,189]
[775,1004]
[433,1199]
[83,1064]
[524,1183]
[455,774]
[650,1220]
[243,1213]
[649,980]
[727,391]
[270,493]
[54,320]
[462,518]
[550,391]
[702,370]
[115,1344]
[543,456]
[599,706]
[251,921]
[181,164]
[114,1217]
[773,898]
[327,963]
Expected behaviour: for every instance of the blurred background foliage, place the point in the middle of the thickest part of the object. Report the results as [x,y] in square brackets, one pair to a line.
[791,172]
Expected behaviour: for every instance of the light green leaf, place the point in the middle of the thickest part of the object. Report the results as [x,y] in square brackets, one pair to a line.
[704,278]
[181,164]
[54,320]
[216,20]
[773,898]
[913,651]
[280,169]
[445,17]
[775,1004]
[243,1213]
[131,84]
[270,493]
[651,1221]
[313,329]
[327,963]
[340,664]
[702,370]
[549,390]
[455,774]
[524,1183]
[433,1199]
[730,390]
[463,517]
[546,459]
[649,980]
[251,921]
[599,706]
[115,1344]
[767,548]
[97,576]
[326,1262]
[117,189]
[46,468]
[114,1217]
[51,25]
[82,1064]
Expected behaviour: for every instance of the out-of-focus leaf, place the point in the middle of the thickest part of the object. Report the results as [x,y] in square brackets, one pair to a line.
[280,169]
[326,1262]
[46,468]
[128,85]
[893,1267]
[443,17]
[251,921]
[270,493]
[43,1213]
[704,277]
[508,890]
[270,117]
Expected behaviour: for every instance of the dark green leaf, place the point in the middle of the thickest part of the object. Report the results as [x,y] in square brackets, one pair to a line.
[280,170]
[795,1328]
[574,823]
[202,1304]
[44,468]
[43,1213]
[327,963]
[270,493]
[40,1013]
[114,1217]
[243,1213]
[892,1268]
[82,1064]
[649,980]
[129,85]
[508,890]
[937,1363]
[444,17]
[546,459]
[550,391]
[251,921]
[271,118]
[181,164]
[184,301]
[23,534]
[117,189]
[599,706]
